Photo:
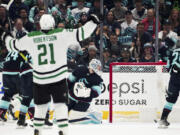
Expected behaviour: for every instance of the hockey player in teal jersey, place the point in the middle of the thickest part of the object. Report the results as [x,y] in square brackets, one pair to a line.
[173,88]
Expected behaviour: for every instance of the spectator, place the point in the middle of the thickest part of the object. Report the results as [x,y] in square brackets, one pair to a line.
[73,54]
[128,27]
[164,11]
[114,45]
[125,56]
[148,4]
[62,15]
[5,22]
[95,9]
[76,12]
[36,21]
[139,39]
[15,8]
[174,19]
[166,49]
[148,55]
[106,32]
[83,19]
[92,53]
[40,12]
[119,11]
[150,22]
[109,4]
[30,3]
[129,4]
[139,13]
[167,32]
[18,31]
[35,10]
[26,23]
[107,59]
[112,24]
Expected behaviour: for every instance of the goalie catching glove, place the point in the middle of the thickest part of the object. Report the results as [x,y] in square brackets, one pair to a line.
[81,91]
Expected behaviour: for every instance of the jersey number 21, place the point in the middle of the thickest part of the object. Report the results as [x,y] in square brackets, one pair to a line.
[43,47]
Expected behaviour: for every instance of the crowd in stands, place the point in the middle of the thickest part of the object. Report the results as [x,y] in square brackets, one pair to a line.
[128,27]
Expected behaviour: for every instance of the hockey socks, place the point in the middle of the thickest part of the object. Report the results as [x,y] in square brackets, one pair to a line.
[61,114]
[39,117]
[47,122]
[22,120]
[4,105]
[166,111]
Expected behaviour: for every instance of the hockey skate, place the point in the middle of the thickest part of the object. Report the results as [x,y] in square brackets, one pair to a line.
[163,124]
[37,132]
[21,122]
[11,113]
[61,133]
[48,124]
[2,116]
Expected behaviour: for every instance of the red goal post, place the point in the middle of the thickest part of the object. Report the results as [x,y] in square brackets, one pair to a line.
[128,67]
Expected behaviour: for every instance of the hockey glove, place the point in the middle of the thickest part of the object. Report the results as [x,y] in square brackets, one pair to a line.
[94,18]
[81,91]
[5,34]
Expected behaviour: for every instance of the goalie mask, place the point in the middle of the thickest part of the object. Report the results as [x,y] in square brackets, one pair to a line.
[47,22]
[96,66]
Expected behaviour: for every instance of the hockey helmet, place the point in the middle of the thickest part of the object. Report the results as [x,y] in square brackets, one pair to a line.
[47,22]
[96,66]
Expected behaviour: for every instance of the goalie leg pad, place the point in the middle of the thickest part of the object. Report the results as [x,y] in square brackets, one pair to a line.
[77,117]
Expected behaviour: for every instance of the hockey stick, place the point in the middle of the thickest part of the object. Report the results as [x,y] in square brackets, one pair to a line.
[7,8]
[24,57]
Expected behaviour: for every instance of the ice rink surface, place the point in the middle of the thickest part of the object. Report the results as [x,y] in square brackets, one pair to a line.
[122,128]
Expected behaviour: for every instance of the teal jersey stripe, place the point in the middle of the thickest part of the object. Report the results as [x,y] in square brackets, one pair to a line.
[23,109]
[169,106]
[4,104]
[25,72]
[97,89]
[72,78]
[72,98]
[10,73]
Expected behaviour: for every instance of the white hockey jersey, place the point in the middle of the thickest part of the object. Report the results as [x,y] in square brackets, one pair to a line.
[48,51]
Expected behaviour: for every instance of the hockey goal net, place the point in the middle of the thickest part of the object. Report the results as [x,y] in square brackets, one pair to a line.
[137,91]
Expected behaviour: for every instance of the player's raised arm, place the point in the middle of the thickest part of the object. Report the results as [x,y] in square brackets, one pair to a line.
[86,30]
[13,44]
